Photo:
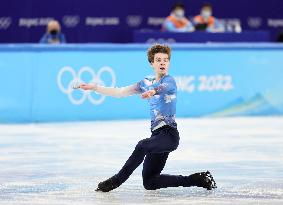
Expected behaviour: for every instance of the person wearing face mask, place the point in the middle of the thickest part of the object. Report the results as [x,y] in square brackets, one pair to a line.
[53,34]
[177,21]
[205,21]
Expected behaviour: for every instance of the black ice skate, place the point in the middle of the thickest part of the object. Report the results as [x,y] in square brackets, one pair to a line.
[107,185]
[203,179]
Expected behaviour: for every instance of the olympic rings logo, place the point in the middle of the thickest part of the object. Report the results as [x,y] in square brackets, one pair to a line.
[5,22]
[77,78]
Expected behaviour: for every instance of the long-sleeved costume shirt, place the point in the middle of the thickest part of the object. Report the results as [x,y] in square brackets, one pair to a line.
[162,104]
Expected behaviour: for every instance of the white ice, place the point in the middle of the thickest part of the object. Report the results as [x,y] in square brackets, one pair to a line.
[62,163]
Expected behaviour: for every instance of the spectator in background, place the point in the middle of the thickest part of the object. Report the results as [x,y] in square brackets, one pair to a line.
[53,34]
[205,21]
[177,21]
[280,37]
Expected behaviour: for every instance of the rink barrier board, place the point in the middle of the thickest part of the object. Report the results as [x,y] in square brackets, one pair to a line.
[213,80]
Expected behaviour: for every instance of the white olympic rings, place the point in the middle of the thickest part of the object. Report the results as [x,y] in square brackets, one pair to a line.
[77,78]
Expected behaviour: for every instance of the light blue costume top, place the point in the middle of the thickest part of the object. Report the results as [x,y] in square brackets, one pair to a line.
[163,103]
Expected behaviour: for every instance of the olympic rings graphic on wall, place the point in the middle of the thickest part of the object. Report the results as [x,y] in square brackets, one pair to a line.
[77,78]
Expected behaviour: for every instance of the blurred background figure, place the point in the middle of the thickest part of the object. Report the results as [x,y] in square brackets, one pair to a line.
[53,34]
[280,37]
[177,21]
[206,22]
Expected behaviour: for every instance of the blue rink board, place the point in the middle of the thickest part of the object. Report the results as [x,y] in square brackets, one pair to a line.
[212,79]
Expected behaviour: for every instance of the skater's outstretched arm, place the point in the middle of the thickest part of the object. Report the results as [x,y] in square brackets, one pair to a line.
[111,91]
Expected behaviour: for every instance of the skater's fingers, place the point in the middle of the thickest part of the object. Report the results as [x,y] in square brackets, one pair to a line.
[144,95]
[148,94]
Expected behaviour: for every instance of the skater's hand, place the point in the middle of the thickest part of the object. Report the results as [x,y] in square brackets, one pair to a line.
[148,94]
[88,86]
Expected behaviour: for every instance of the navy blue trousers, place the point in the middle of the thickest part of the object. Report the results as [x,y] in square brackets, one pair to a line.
[155,150]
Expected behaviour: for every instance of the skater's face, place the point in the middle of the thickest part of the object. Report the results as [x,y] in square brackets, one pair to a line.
[161,63]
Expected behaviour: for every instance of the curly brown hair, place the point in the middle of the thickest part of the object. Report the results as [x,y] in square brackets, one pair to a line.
[157,48]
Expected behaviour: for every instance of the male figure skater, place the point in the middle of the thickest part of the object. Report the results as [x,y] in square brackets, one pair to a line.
[161,93]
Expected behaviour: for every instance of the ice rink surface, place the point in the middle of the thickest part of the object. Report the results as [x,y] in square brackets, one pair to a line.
[62,163]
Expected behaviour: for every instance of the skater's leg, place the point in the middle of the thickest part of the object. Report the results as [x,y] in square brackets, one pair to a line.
[154,164]
[159,142]
[152,179]
[157,149]
[152,167]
